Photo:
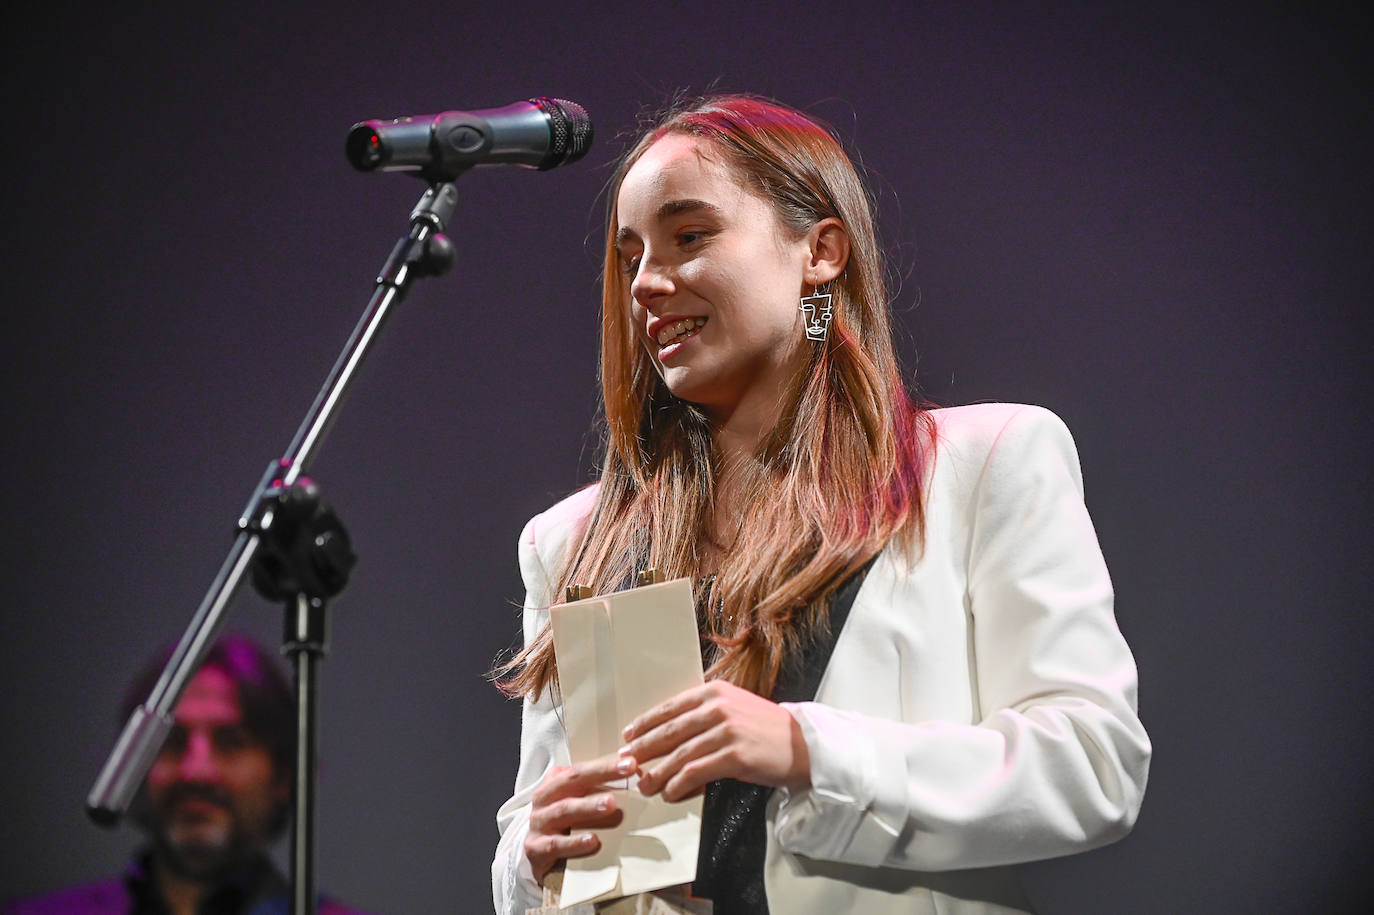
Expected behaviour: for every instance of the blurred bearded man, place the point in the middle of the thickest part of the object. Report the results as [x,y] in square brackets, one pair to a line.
[216,797]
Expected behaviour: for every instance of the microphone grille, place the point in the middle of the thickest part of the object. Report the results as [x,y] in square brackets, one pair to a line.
[571,129]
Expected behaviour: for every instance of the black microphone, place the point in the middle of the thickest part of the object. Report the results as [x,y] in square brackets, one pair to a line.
[539,133]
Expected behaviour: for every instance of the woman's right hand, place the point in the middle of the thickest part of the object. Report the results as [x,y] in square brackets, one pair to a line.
[568,800]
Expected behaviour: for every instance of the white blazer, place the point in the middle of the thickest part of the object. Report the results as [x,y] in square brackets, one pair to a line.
[979,709]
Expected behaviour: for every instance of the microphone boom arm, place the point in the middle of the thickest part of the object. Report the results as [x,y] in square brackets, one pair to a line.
[423,251]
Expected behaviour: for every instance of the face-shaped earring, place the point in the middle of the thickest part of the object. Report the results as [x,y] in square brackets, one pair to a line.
[817,312]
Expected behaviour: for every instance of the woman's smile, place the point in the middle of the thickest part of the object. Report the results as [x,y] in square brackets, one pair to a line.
[672,333]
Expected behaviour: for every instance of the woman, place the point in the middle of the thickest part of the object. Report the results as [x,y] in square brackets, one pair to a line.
[925,585]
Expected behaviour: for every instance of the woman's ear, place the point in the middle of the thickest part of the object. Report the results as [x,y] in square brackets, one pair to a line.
[829,244]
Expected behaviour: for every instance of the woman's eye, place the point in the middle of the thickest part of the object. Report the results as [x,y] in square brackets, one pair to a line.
[630,265]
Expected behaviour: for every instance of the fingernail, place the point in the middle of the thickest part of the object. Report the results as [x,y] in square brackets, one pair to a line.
[586,838]
[625,766]
[603,804]
[623,751]
[629,729]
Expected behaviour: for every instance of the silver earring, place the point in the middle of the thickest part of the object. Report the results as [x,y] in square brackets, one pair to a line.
[817,312]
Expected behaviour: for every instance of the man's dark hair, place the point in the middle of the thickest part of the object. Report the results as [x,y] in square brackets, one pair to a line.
[265,699]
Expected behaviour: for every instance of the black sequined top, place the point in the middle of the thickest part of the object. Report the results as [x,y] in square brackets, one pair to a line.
[733,820]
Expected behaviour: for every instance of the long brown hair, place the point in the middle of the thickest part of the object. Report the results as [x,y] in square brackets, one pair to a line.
[839,475]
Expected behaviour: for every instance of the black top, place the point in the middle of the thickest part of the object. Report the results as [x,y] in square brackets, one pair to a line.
[734,828]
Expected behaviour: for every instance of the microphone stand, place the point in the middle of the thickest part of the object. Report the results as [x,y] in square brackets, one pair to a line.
[297,551]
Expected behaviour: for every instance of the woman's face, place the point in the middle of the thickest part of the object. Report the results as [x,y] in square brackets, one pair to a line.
[714,279]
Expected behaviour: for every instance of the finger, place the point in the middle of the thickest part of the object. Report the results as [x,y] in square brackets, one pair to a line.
[545,851]
[664,711]
[671,734]
[693,777]
[580,779]
[653,777]
[596,811]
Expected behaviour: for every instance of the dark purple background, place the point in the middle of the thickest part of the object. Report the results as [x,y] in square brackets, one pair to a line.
[1155,223]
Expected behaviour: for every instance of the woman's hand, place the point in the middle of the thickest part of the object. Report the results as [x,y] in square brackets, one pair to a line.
[715,731]
[569,799]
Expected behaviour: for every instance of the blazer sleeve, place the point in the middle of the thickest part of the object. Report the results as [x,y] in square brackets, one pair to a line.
[1058,761]
[542,745]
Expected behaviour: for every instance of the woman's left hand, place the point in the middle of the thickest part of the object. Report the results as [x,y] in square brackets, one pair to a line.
[716,731]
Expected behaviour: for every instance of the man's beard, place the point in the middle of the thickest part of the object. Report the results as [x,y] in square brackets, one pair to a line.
[200,849]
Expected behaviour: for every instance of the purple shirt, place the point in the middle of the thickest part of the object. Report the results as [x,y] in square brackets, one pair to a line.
[257,889]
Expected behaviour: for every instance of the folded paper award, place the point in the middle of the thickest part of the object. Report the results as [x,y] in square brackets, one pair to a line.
[619,656]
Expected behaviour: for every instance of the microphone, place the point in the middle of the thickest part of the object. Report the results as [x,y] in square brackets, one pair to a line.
[539,133]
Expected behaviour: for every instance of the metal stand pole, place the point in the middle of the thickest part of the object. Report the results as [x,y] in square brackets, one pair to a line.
[306,641]
[295,549]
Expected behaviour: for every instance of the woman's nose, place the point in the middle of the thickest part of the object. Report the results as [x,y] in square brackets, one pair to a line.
[651,282]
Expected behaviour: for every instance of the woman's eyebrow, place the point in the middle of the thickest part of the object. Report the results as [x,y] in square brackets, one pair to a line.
[668,209]
[677,207]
